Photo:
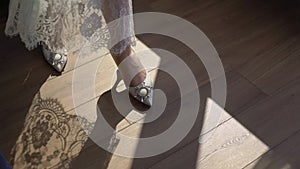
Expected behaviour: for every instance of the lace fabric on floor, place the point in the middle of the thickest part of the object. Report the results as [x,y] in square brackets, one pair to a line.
[70,24]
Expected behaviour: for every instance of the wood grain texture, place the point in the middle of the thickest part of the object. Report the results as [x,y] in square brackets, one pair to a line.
[285,155]
[258,44]
[250,134]
[235,81]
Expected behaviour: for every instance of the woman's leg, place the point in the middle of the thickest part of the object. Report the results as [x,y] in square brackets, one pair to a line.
[132,67]
[132,70]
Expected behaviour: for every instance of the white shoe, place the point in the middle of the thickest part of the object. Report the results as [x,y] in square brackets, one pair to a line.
[56,60]
[143,92]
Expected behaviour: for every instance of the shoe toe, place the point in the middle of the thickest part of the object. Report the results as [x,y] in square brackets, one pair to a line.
[148,101]
[58,67]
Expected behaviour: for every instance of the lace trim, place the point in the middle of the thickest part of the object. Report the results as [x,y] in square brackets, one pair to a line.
[69,24]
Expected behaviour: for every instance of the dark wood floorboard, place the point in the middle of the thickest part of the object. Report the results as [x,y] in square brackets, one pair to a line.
[258,44]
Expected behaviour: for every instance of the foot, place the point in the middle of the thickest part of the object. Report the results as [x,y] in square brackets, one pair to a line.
[135,76]
[143,92]
[56,60]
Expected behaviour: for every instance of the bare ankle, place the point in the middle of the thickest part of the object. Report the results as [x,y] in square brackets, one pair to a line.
[139,78]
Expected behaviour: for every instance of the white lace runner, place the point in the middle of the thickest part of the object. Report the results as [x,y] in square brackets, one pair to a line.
[70,24]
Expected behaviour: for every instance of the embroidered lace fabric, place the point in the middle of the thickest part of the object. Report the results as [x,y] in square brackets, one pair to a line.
[69,24]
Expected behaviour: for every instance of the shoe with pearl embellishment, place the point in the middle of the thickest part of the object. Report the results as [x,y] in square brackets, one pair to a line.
[143,92]
[56,60]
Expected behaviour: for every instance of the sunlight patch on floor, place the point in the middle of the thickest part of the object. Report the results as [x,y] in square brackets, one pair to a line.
[229,145]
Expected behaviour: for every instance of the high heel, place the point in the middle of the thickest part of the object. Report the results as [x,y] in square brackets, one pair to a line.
[143,92]
[56,60]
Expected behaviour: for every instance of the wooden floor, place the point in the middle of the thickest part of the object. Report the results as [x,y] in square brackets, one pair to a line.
[259,45]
